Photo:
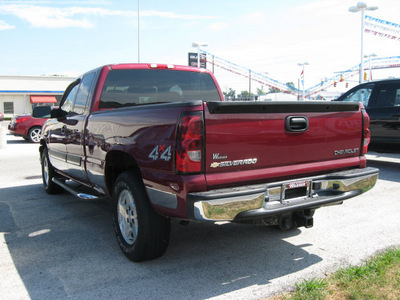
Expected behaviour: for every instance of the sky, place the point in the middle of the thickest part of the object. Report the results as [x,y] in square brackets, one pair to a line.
[40,37]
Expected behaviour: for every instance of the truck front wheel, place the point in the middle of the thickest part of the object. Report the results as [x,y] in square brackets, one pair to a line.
[47,175]
[141,233]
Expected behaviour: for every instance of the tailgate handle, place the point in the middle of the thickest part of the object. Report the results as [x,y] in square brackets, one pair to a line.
[296,124]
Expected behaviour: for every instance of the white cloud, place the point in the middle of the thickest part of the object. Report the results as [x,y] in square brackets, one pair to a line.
[217,26]
[254,18]
[172,15]
[51,17]
[5,26]
[45,17]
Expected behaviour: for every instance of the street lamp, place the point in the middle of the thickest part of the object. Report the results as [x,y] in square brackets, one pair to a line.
[198,45]
[361,6]
[369,64]
[138,30]
[303,64]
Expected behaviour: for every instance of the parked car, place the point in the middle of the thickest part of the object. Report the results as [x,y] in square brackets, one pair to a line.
[27,126]
[382,102]
[1,116]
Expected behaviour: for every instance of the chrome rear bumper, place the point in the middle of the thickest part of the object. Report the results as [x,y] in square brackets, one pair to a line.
[274,199]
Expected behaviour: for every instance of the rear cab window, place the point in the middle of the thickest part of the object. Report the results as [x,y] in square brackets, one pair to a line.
[124,88]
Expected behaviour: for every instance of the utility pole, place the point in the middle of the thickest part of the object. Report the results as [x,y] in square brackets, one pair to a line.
[138,26]
[249,83]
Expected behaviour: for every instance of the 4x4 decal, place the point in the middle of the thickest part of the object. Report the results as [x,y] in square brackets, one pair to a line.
[165,153]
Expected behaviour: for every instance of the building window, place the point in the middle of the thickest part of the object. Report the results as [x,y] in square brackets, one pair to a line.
[9,107]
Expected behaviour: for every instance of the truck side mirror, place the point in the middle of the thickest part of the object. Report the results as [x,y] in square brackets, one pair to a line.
[58,113]
[41,112]
[54,113]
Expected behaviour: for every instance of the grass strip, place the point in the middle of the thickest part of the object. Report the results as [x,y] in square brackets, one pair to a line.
[377,278]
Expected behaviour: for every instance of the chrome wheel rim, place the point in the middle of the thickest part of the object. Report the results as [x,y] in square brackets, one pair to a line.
[127,217]
[46,171]
[35,135]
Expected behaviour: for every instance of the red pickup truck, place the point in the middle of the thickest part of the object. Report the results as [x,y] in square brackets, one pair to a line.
[160,142]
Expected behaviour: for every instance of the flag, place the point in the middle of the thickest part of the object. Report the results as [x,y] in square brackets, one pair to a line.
[302,78]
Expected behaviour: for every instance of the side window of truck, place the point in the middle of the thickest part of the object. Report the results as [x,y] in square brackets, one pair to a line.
[388,95]
[83,94]
[69,101]
[361,95]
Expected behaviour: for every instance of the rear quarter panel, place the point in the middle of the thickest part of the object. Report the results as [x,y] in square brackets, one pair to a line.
[146,133]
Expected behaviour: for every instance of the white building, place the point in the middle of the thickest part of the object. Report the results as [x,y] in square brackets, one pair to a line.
[277,97]
[19,94]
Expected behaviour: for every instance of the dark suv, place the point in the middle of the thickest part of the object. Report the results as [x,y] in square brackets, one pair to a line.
[382,102]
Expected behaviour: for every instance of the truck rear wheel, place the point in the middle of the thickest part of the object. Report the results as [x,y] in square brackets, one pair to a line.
[47,175]
[141,233]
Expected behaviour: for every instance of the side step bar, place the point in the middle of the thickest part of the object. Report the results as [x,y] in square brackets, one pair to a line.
[69,189]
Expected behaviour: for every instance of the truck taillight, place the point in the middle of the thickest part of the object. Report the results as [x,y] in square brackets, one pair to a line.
[189,143]
[366,132]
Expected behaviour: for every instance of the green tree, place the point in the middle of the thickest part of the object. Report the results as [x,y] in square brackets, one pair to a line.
[231,94]
[273,90]
[245,95]
[261,91]
[290,84]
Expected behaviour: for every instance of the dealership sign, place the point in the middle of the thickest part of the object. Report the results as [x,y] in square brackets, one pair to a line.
[193,60]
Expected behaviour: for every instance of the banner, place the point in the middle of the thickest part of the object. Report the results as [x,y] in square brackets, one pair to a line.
[382,28]
[245,72]
[383,22]
[261,78]
[302,78]
[381,34]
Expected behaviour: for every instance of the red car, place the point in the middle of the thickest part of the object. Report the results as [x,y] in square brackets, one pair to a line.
[27,127]
[1,117]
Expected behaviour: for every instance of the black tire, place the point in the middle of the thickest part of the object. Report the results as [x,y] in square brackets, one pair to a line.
[142,234]
[34,134]
[47,175]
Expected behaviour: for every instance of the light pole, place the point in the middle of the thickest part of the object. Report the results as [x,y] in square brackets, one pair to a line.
[369,64]
[303,64]
[138,30]
[249,83]
[361,6]
[198,45]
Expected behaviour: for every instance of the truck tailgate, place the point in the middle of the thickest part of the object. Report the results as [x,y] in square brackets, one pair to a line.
[261,136]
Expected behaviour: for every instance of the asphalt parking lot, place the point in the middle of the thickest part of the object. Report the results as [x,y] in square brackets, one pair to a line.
[59,247]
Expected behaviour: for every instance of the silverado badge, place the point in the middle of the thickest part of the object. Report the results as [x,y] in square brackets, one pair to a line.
[232,163]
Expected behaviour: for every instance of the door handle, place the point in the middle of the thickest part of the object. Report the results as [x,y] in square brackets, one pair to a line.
[296,124]
[64,129]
